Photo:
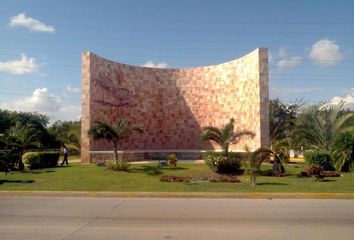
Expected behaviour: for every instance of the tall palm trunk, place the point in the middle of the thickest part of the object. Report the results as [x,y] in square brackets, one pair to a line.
[226,150]
[115,149]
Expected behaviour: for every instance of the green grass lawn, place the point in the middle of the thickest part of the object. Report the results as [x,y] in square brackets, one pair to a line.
[146,178]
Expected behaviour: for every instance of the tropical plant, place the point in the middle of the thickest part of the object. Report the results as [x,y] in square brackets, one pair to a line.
[343,153]
[68,133]
[172,159]
[19,138]
[281,119]
[255,160]
[252,168]
[24,136]
[113,133]
[225,136]
[319,126]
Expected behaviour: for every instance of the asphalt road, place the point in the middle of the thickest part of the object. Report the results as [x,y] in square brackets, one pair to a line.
[172,218]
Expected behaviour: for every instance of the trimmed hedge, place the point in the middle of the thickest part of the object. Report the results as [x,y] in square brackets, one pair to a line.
[219,163]
[36,160]
[321,158]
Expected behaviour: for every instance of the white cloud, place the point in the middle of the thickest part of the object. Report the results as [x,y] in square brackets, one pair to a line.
[325,53]
[151,64]
[30,23]
[288,91]
[348,100]
[20,66]
[42,101]
[289,63]
[72,89]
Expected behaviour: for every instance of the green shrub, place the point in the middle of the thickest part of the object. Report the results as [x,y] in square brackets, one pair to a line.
[36,160]
[321,158]
[10,160]
[219,163]
[121,166]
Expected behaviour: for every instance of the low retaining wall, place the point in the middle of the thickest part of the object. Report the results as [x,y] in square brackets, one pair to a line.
[142,156]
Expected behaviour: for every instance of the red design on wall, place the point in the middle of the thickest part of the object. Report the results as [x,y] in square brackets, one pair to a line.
[117,97]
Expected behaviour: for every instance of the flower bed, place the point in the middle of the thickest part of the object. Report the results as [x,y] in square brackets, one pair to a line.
[210,178]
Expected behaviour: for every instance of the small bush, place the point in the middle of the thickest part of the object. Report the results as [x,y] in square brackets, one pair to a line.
[315,170]
[331,174]
[121,167]
[172,159]
[324,174]
[36,160]
[322,158]
[219,163]
[10,160]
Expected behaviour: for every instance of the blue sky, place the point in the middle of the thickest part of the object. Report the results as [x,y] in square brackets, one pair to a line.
[311,45]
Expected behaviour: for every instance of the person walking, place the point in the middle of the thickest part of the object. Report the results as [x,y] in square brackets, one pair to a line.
[66,155]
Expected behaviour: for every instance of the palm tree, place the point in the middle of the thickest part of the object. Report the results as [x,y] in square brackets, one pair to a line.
[282,118]
[21,137]
[68,133]
[255,160]
[320,126]
[113,133]
[343,153]
[225,136]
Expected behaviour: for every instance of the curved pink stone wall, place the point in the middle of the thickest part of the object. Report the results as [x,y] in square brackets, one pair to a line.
[172,105]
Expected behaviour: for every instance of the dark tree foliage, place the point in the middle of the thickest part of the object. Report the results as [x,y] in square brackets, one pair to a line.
[281,119]
[20,131]
[67,132]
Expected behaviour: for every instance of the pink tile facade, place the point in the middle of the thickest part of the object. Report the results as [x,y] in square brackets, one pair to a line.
[172,105]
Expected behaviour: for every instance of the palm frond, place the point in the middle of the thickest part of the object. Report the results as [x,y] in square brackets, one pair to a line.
[237,136]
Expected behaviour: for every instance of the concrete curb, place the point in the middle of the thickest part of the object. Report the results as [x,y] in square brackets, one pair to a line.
[256,195]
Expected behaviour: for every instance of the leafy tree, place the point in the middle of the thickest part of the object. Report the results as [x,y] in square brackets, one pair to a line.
[282,118]
[20,131]
[67,132]
[225,136]
[12,122]
[113,133]
[6,120]
[21,137]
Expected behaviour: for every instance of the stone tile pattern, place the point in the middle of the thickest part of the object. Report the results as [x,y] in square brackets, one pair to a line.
[172,105]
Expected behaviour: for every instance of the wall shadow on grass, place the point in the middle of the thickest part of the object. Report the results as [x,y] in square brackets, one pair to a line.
[37,171]
[328,180]
[272,184]
[154,170]
[16,181]
[149,170]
